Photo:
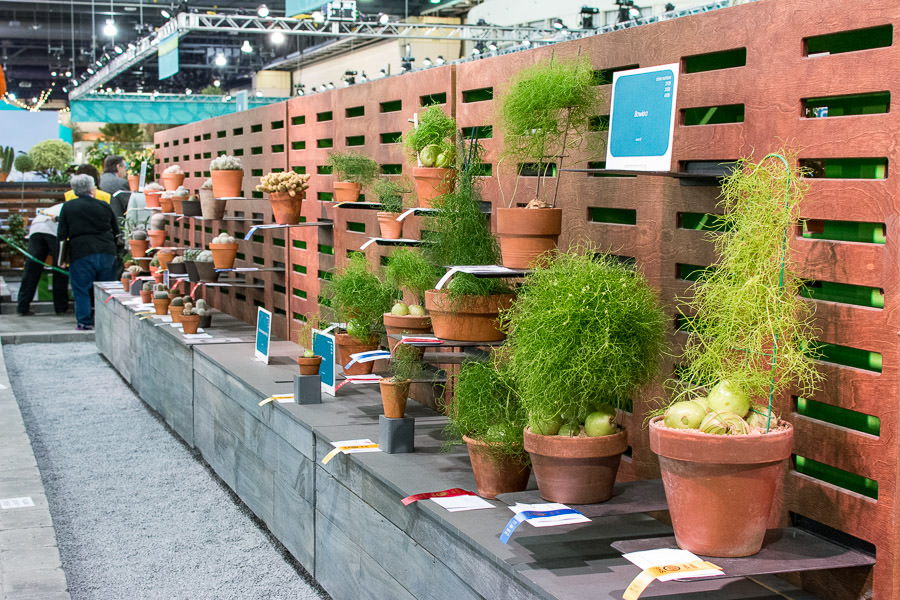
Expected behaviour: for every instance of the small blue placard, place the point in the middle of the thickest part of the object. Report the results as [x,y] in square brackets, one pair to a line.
[323,345]
[642,119]
[263,333]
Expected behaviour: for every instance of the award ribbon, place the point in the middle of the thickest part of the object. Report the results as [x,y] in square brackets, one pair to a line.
[335,452]
[442,494]
[647,576]
[525,515]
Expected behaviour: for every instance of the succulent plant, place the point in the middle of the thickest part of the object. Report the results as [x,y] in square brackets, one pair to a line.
[161,294]
[161,287]
[192,253]
[139,234]
[173,170]
[158,221]
[177,259]
[207,185]
[154,262]
[205,256]
[178,301]
[286,181]
[224,238]
[153,187]
[134,270]
[182,192]
[226,163]
[147,287]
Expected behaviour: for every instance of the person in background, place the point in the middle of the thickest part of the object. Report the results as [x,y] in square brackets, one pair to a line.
[114,179]
[42,242]
[88,169]
[90,229]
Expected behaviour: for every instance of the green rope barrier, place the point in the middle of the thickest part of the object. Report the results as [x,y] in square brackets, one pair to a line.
[30,257]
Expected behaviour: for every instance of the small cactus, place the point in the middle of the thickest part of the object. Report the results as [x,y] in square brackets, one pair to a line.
[147,287]
[161,294]
[201,303]
[139,234]
[205,256]
[154,262]
[223,238]
[192,253]
[177,259]
[134,270]
[179,301]
[158,221]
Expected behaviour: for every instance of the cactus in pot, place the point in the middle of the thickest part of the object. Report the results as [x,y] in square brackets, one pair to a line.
[173,177]
[139,243]
[211,208]
[206,269]
[147,292]
[202,308]
[176,308]
[190,319]
[224,249]
[227,176]
[161,299]
[190,256]
[152,192]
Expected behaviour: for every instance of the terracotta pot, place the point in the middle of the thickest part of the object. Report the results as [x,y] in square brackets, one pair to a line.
[391,228]
[206,271]
[3,175]
[408,324]
[206,320]
[167,204]
[177,268]
[393,397]
[164,258]
[468,319]
[210,208]
[158,276]
[153,270]
[193,275]
[133,182]
[176,311]
[224,255]
[575,470]
[527,233]
[157,237]
[347,345]
[161,305]
[172,181]
[191,208]
[432,182]
[227,184]
[496,474]
[146,296]
[139,247]
[286,208]
[190,323]
[720,488]
[346,191]
[178,204]
[126,283]
[309,365]
[151,199]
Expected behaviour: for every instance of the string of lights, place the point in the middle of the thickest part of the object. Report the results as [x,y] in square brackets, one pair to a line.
[36,104]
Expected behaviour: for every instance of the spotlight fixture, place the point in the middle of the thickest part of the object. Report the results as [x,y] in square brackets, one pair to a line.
[557,24]
[478,49]
[526,42]
[188,92]
[68,73]
[427,62]
[259,93]
[362,77]
[383,19]
[165,13]
[330,85]
[65,90]
[587,16]
[406,63]
[118,49]
[217,83]
[110,29]
[262,11]
[246,48]
[492,46]
[317,16]
[277,37]
[669,7]
[90,71]
[439,60]
[221,61]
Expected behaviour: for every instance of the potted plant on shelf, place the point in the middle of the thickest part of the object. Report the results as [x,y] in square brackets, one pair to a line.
[190,206]
[390,193]
[157,230]
[176,307]
[152,193]
[202,308]
[176,266]
[722,459]
[352,172]
[7,156]
[178,198]
[172,178]
[286,190]
[309,361]
[585,332]
[167,203]
[545,114]
[147,292]
[360,299]
[161,299]
[190,257]
[190,318]
[404,366]
[410,273]
[134,160]
[154,267]
[139,243]
[489,417]
[432,144]
[211,208]
[224,249]
[227,174]
[206,270]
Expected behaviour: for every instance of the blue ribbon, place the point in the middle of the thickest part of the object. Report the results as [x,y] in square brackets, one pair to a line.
[523,516]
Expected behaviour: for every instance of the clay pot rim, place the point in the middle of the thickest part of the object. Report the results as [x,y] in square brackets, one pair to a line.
[346,184]
[477,442]
[346,336]
[695,446]
[383,214]
[439,300]
[388,381]
[414,321]
[309,358]
[575,447]
[223,246]
[430,171]
[540,222]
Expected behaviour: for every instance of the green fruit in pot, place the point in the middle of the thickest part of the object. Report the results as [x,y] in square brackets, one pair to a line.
[761,418]
[570,430]
[686,414]
[726,397]
[309,354]
[444,160]
[429,154]
[703,401]
[724,423]
[416,310]
[601,422]
[400,309]
[545,427]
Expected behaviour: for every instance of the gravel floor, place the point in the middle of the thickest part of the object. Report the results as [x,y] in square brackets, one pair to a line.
[137,514]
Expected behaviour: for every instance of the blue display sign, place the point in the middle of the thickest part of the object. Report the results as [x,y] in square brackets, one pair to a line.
[263,334]
[323,345]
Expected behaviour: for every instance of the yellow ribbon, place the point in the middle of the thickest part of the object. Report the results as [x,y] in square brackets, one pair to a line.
[274,398]
[647,576]
[335,452]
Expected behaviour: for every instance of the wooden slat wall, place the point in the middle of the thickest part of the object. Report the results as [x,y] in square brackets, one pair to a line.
[771,86]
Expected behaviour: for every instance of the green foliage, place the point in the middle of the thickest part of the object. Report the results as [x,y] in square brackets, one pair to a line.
[23,163]
[191,254]
[51,156]
[359,296]
[15,229]
[7,154]
[405,363]
[390,192]
[122,132]
[212,90]
[546,112]
[353,167]
[750,304]
[487,408]
[583,331]
[407,270]
[435,127]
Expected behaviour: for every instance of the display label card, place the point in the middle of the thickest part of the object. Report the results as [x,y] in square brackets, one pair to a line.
[263,334]
[24,502]
[323,345]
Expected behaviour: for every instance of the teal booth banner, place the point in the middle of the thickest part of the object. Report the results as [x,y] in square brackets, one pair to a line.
[164,109]
[293,8]
[167,56]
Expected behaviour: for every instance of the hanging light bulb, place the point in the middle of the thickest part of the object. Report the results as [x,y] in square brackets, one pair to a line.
[221,61]
[277,37]
[246,47]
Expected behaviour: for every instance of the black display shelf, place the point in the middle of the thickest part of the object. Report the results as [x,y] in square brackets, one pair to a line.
[256,228]
[629,497]
[391,242]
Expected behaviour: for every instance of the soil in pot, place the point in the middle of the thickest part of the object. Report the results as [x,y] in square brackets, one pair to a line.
[210,208]
[139,247]
[346,191]
[190,323]
[720,488]
[391,228]
[405,324]
[347,345]
[157,237]
[309,365]
[206,271]
[469,318]
[161,305]
[393,397]
[575,470]
[227,184]
[432,182]
[496,474]
[526,234]
[286,208]
[224,254]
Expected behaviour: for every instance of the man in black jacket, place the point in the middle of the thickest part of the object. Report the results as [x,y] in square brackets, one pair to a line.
[89,228]
[113,180]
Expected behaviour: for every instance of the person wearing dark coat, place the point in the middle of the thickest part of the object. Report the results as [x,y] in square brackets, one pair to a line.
[90,229]
[114,179]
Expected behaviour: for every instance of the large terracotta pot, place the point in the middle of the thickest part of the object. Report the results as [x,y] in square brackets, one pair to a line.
[467,319]
[167,204]
[190,323]
[347,345]
[227,184]
[408,324]
[211,208]
[172,181]
[346,191]
[527,233]
[720,488]
[139,247]
[432,182]
[575,470]
[206,271]
[157,237]
[391,228]
[133,182]
[393,397]
[161,305]
[496,474]
[224,254]
[176,311]
[286,208]
[309,365]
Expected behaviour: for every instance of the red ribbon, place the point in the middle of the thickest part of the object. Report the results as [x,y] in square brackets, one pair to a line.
[443,494]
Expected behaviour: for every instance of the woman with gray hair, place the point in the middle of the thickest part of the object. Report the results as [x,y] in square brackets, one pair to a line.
[89,228]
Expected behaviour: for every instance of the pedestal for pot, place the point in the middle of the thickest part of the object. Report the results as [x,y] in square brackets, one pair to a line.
[172,181]
[469,318]
[190,323]
[227,184]
[495,473]
[161,305]
[286,208]
[408,324]
[393,397]
[347,345]
[391,228]
[224,254]
[139,247]
[575,470]
[157,237]
[527,233]
[151,199]
[432,182]
[309,365]
[206,271]
[133,182]
[346,191]
[211,208]
[720,488]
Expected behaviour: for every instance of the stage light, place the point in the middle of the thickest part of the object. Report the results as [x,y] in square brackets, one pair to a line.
[246,48]
[221,61]
[277,37]
[263,11]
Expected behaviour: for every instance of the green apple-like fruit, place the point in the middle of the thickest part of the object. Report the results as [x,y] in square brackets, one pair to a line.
[568,429]
[726,397]
[703,401]
[686,414]
[400,309]
[545,427]
[309,354]
[601,422]
[416,310]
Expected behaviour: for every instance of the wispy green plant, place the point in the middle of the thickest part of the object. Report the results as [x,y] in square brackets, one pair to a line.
[391,191]
[408,271]
[360,298]
[750,324]
[352,166]
[434,127]
[405,363]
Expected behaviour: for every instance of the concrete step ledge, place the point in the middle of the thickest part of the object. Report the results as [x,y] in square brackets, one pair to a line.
[47,337]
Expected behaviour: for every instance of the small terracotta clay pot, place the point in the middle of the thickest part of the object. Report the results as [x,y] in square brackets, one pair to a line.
[161,305]
[391,228]
[470,318]
[133,182]
[286,208]
[346,191]
[176,311]
[190,323]
[146,296]
[405,324]
[167,204]
[347,345]
[432,182]
[139,247]
[309,365]
[157,237]
[126,283]
[526,234]
[496,474]
[165,256]
[393,397]
[178,204]
[227,184]
[224,254]
[172,181]
[151,199]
